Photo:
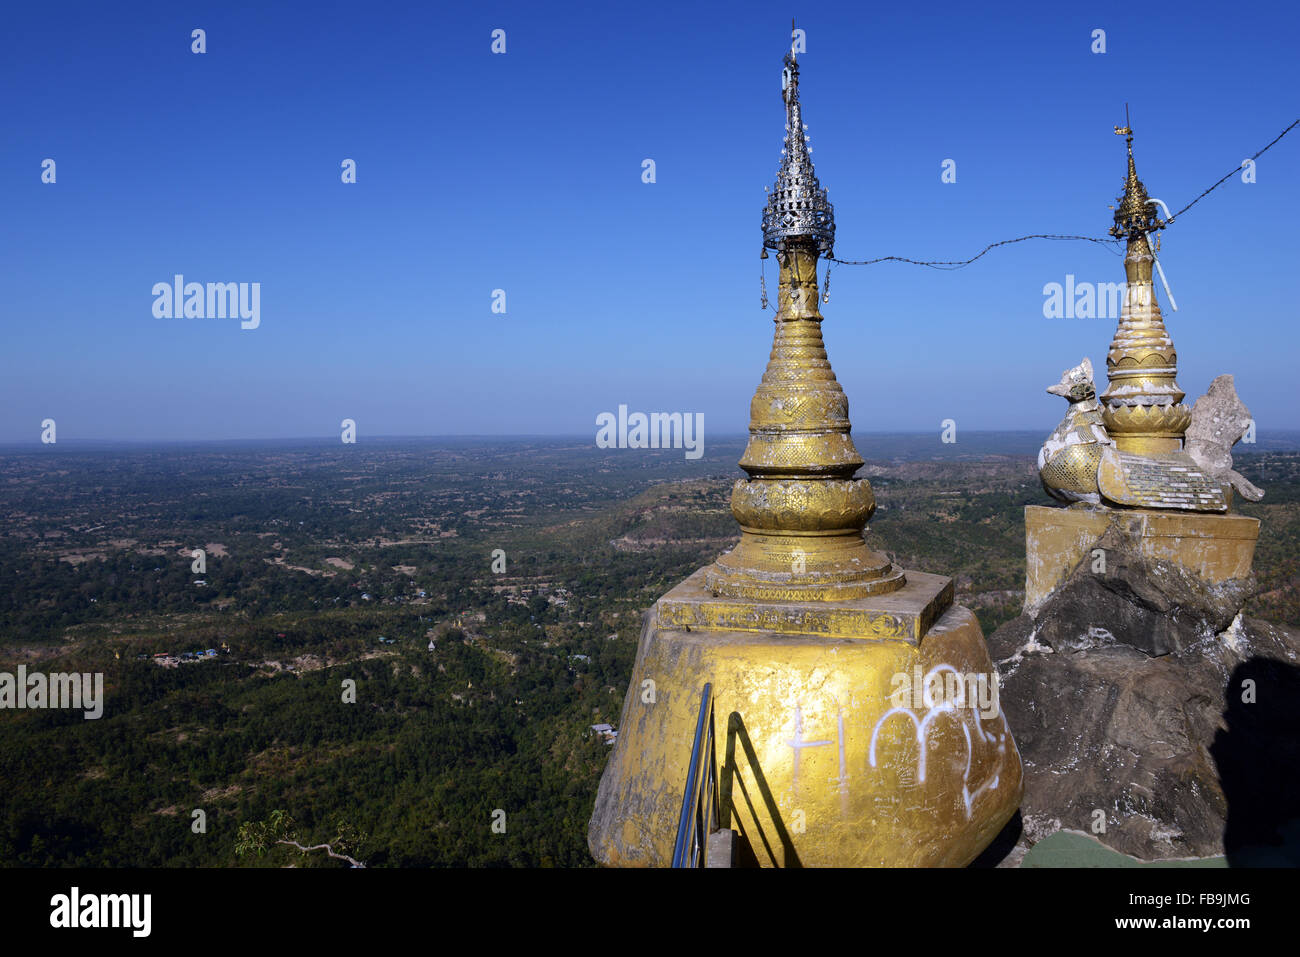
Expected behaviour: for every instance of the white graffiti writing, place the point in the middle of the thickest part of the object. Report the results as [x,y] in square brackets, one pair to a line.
[922,725]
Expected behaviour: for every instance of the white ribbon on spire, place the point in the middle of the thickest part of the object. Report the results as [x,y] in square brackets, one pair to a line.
[1163,281]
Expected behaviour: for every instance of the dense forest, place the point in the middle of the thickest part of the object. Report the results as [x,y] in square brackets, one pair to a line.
[411,641]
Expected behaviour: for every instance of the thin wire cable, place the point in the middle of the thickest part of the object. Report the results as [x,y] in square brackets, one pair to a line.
[1231,173]
[958,264]
[1112,243]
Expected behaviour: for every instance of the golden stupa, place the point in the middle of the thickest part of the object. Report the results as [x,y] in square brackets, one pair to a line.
[857,717]
[1143,407]
[1123,460]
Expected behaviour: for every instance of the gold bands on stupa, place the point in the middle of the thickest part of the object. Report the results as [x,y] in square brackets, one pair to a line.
[1142,408]
[801,512]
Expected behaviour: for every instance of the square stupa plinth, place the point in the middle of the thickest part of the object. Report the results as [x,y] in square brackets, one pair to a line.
[902,615]
[1215,547]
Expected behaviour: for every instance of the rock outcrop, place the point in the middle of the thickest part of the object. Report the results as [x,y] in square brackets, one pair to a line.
[1145,703]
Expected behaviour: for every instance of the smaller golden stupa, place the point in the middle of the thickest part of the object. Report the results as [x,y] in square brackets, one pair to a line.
[1143,407]
[1127,450]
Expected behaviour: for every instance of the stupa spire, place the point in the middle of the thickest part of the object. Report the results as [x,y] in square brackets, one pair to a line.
[801,511]
[1135,213]
[797,206]
[1142,408]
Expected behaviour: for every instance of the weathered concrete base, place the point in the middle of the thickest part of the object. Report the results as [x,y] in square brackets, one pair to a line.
[1216,548]
[721,849]
[817,766]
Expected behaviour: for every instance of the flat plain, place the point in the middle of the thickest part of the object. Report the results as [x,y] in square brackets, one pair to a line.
[483,596]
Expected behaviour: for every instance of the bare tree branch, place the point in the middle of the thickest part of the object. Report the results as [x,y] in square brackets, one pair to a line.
[323,847]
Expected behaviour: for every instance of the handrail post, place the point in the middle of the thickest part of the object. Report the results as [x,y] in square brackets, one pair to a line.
[701,782]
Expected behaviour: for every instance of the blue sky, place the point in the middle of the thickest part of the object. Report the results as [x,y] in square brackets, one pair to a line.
[522,172]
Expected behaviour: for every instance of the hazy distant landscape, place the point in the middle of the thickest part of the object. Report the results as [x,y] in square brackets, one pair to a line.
[324,562]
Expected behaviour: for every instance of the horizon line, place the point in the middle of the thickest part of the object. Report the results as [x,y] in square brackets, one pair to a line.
[584,437]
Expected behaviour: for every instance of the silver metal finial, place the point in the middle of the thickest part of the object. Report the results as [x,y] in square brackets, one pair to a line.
[797,206]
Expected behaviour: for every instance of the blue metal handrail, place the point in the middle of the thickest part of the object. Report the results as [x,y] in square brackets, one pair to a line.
[699,816]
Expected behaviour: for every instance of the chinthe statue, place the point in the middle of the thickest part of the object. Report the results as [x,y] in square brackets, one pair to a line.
[1080,462]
